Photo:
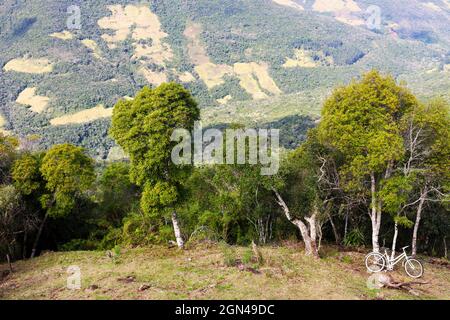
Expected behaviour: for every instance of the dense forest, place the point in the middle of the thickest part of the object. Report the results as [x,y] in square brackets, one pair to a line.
[374,172]
[231,32]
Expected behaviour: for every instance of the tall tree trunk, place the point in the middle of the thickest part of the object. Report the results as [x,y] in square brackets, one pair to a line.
[24,247]
[416,224]
[38,236]
[176,228]
[336,234]
[310,247]
[375,217]
[313,233]
[8,259]
[394,241]
[445,248]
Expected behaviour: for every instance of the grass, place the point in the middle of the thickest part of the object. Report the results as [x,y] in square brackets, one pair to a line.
[83,116]
[29,65]
[203,272]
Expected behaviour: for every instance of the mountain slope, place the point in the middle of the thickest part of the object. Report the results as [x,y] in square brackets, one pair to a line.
[237,57]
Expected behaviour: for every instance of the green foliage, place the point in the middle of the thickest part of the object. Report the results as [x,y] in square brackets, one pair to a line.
[79,245]
[354,238]
[26,174]
[67,172]
[143,128]
[229,254]
[8,147]
[116,194]
[395,192]
[362,121]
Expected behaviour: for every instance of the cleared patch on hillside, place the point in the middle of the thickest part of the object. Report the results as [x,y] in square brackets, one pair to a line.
[28,97]
[432,6]
[84,116]
[213,74]
[336,6]
[289,3]
[145,29]
[196,50]
[350,19]
[225,99]
[308,59]
[254,78]
[186,77]
[92,45]
[63,35]
[153,77]
[30,65]
[142,24]
[447,3]
[2,126]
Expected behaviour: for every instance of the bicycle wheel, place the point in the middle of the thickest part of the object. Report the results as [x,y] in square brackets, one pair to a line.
[414,268]
[375,262]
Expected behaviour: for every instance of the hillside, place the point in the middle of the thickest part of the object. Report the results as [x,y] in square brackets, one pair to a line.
[247,60]
[201,273]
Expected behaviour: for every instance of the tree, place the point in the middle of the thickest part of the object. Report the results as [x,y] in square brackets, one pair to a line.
[426,136]
[362,122]
[11,222]
[8,146]
[143,128]
[116,194]
[57,179]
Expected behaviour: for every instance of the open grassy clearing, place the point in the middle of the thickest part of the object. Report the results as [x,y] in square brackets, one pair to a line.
[37,103]
[25,65]
[289,3]
[84,116]
[63,35]
[200,272]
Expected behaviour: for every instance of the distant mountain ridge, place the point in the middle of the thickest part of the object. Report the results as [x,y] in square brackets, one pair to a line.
[255,61]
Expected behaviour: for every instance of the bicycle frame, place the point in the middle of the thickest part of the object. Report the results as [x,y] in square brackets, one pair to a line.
[392,262]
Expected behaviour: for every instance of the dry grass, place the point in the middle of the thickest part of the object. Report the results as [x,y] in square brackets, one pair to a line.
[196,50]
[304,59]
[433,6]
[289,3]
[254,77]
[212,74]
[336,6]
[350,20]
[200,273]
[225,99]
[64,35]
[2,125]
[92,45]
[37,103]
[142,24]
[84,116]
[25,65]
[153,77]
[186,77]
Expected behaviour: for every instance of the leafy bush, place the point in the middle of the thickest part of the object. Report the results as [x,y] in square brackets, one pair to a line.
[80,245]
[354,238]
[229,254]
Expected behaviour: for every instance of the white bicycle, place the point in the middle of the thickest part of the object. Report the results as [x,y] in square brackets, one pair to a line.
[377,262]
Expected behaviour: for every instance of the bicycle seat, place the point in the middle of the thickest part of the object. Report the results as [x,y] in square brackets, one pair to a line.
[405,247]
